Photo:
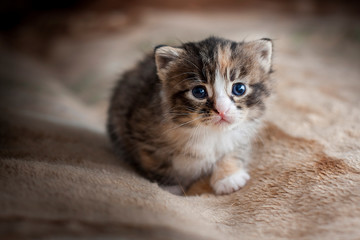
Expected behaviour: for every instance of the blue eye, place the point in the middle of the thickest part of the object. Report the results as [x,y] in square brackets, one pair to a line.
[199,92]
[238,89]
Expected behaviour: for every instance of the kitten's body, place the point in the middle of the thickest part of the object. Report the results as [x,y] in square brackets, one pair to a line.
[171,136]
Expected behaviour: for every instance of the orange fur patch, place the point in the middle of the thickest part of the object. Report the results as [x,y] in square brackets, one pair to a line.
[224,168]
[224,55]
[200,187]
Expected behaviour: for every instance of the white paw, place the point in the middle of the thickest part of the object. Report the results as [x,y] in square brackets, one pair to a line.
[231,183]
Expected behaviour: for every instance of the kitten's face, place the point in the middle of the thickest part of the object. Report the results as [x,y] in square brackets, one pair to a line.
[216,82]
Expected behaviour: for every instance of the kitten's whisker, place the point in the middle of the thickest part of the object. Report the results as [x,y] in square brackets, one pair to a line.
[183,124]
[179,114]
[181,109]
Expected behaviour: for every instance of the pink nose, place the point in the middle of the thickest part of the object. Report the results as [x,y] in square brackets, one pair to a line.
[222,107]
[222,114]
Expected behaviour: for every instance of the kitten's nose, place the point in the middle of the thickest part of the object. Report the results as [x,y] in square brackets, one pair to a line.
[222,108]
[222,114]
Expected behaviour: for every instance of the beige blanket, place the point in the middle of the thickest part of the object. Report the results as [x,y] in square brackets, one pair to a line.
[60,179]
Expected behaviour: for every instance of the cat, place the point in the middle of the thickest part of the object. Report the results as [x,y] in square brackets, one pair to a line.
[193,110]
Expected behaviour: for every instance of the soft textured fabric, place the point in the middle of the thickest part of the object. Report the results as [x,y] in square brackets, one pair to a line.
[59,176]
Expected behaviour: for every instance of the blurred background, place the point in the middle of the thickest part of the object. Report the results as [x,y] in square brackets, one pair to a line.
[56,54]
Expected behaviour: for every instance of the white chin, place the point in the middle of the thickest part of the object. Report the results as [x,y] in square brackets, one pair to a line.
[223,125]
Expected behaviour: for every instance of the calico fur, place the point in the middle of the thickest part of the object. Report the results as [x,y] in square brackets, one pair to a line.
[170,136]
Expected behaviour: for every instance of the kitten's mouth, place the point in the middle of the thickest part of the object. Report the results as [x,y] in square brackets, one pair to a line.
[221,121]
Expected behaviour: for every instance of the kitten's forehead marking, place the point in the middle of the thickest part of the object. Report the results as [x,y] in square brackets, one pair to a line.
[222,70]
[224,59]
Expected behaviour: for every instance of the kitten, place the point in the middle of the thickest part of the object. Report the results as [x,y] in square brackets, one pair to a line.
[192,111]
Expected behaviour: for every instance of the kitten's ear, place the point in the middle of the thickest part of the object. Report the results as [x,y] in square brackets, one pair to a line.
[264,48]
[164,56]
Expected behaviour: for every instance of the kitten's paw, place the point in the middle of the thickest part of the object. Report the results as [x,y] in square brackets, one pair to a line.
[231,183]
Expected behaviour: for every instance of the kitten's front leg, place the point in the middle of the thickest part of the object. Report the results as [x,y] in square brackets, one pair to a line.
[229,175]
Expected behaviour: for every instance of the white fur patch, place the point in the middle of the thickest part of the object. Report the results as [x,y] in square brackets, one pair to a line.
[209,145]
[219,85]
[222,100]
[231,183]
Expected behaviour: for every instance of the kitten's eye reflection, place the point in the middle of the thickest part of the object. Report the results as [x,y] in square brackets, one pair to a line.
[238,89]
[199,92]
